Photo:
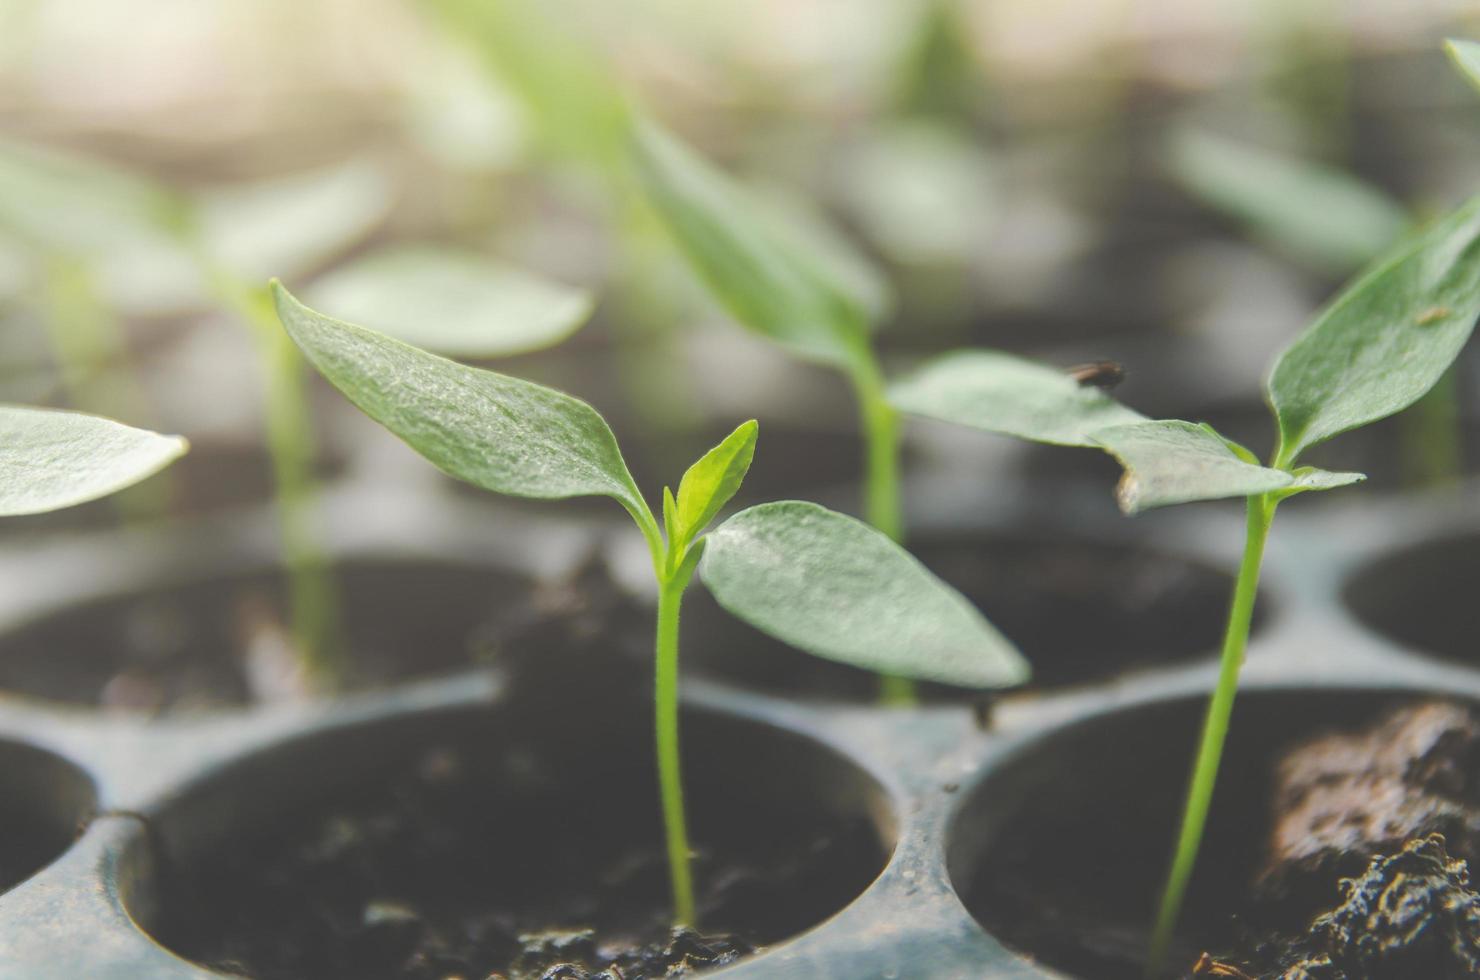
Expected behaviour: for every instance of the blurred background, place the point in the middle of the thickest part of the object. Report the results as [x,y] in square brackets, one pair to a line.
[1173,185]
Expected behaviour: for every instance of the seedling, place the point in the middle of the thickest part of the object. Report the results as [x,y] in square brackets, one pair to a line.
[50,459]
[1384,342]
[790,282]
[1334,223]
[811,577]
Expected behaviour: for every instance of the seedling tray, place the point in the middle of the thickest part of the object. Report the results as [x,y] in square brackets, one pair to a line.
[942,786]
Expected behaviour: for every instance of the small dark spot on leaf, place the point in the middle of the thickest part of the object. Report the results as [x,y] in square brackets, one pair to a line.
[1098,374]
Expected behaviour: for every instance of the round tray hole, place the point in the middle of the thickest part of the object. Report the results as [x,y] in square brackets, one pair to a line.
[1061,852]
[189,646]
[45,802]
[439,839]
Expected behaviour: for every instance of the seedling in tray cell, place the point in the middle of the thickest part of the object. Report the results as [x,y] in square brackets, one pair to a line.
[807,575]
[1375,350]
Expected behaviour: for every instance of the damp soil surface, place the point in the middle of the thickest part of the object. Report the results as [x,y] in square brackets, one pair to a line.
[1081,610]
[533,852]
[220,642]
[1335,851]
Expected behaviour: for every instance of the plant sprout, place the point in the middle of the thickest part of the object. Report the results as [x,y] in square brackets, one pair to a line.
[109,238]
[1376,349]
[792,282]
[811,577]
[50,459]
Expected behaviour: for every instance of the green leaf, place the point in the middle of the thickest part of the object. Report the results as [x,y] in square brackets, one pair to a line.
[712,481]
[496,432]
[59,202]
[1321,216]
[1313,478]
[840,589]
[51,459]
[293,224]
[1466,57]
[1385,340]
[452,302]
[1175,462]
[772,278]
[1001,393]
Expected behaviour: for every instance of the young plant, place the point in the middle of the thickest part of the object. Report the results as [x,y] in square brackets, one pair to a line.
[1334,223]
[50,459]
[1376,349]
[811,577]
[789,281]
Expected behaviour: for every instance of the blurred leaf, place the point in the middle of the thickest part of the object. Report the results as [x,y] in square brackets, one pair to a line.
[770,278]
[1385,340]
[841,590]
[496,432]
[711,482]
[1001,393]
[1316,214]
[1175,462]
[456,303]
[60,202]
[292,224]
[922,191]
[574,105]
[51,459]
[1466,57]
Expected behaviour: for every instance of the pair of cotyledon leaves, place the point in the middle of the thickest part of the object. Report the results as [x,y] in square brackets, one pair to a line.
[819,580]
[1373,351]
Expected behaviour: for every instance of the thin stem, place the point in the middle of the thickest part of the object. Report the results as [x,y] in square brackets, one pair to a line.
[313,603]
[1433,446]
[881,502]
[1215,732]
[665,720]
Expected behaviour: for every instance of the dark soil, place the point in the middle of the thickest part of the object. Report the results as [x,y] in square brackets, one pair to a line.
[1080,610]
[222,642]
[1421,596]
[532,852]
[44,804]
[1317,856]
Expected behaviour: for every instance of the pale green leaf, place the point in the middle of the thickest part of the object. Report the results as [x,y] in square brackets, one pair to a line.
[452,302]
[61,202]
[1174,462]
[1319,215]
[1385,340]
[770,278]
[713,480]
[1001,393]
[1313,478]
[1466,57]
[294,223]
[841,590]
[496,432]
[51,459]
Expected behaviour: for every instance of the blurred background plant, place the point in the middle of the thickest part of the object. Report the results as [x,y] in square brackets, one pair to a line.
[1131,180]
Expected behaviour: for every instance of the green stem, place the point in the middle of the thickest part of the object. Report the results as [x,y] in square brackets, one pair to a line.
[1215,732]
[1433,446]
[313,604]
[881,506]
[665,719]
[88,343]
